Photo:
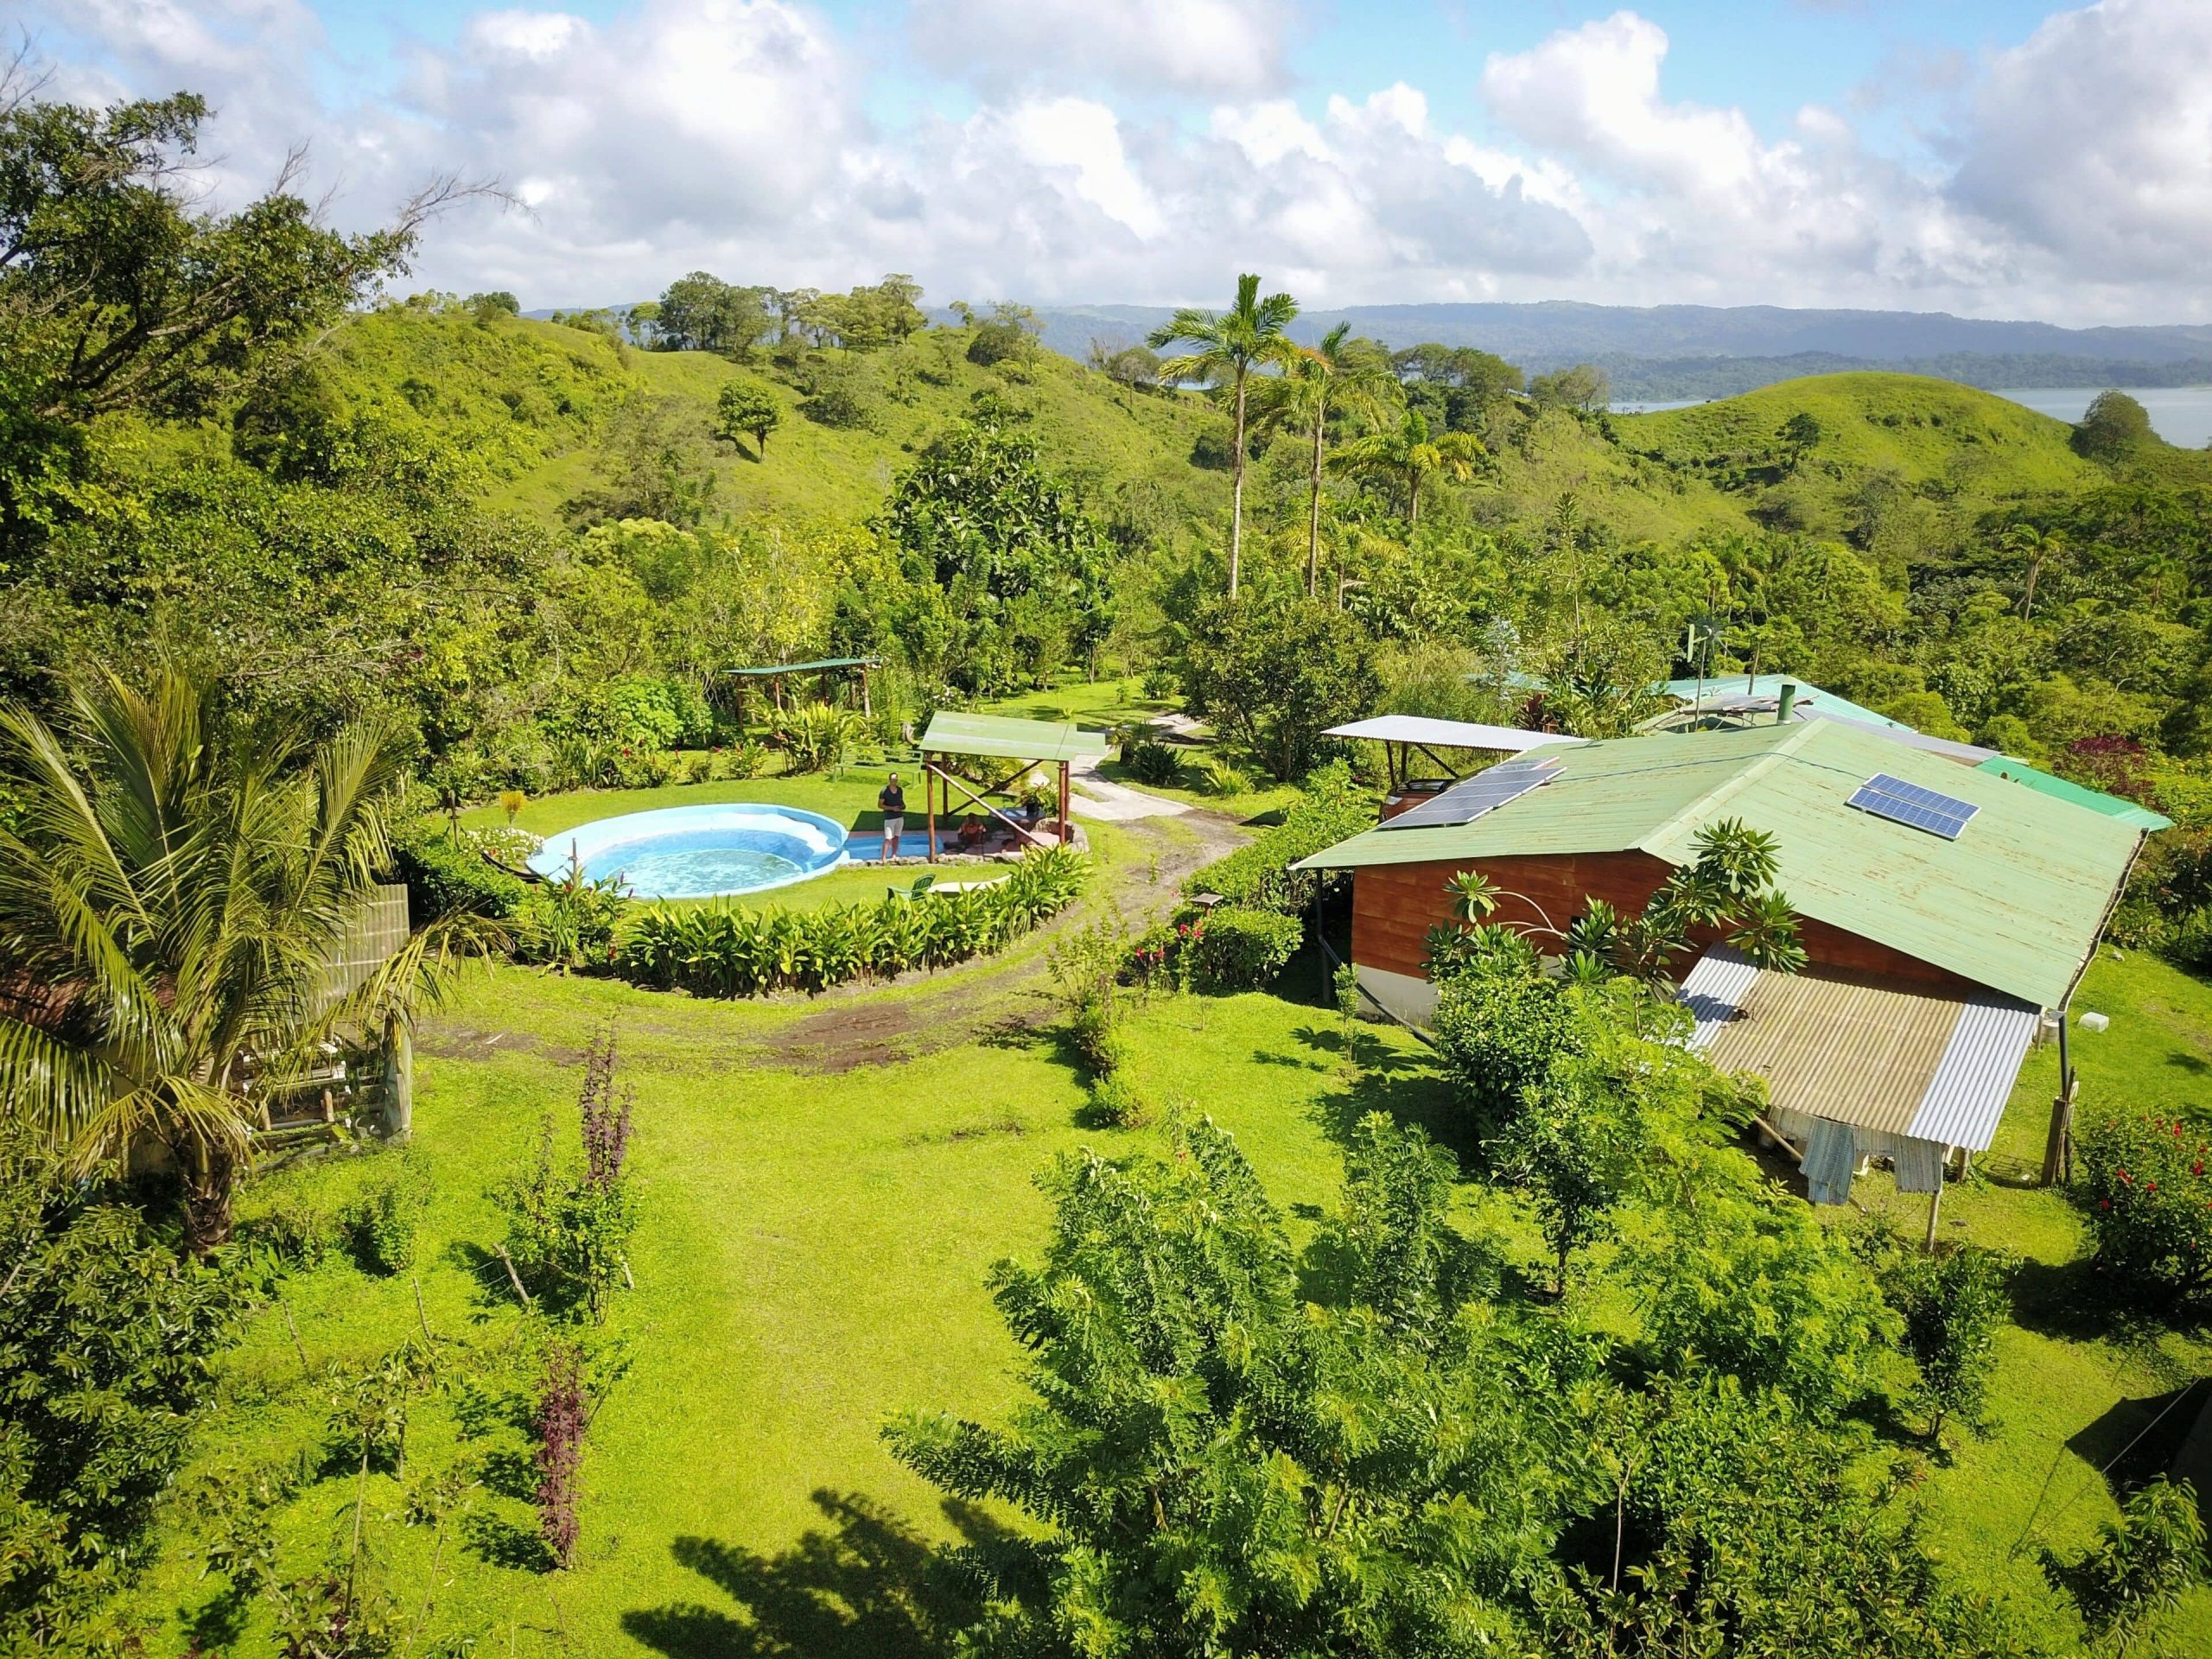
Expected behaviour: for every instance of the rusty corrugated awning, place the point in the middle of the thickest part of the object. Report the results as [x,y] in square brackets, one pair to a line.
[1927,1065]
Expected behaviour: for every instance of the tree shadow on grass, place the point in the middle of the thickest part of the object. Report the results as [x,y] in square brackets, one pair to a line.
[502,1542]
[866,1585]
[2077,1301]
[1402,1086]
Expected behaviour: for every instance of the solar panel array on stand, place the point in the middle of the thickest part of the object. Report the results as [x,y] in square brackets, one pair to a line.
[1909,804]
[1486,792]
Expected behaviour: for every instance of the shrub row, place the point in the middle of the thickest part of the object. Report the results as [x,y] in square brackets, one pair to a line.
[1257,876]
[726,950]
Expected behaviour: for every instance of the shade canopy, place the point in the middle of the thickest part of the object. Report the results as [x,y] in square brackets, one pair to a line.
[769,670]
[1006,739]
[1448,733]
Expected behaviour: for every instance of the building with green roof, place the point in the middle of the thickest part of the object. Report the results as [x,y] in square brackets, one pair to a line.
[2015,903]
[1964,932]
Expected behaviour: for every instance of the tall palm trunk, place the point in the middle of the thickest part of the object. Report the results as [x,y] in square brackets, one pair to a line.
[1413,498]
[2027,599]
[207,1171]
[1313,509]
[1237,492]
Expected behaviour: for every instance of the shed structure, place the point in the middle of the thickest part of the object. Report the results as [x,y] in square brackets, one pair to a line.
[956,742]
[1453,747]
[774,674]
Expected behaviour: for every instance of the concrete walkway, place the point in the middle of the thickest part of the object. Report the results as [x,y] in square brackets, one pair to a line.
[1093,797]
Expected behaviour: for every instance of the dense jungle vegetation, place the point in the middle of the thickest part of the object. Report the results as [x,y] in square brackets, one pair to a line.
[1368,1349]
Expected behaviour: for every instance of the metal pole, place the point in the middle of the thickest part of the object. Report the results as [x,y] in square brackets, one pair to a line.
[2055,1147]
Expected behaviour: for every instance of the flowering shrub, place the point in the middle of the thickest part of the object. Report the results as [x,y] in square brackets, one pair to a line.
[2149,1202]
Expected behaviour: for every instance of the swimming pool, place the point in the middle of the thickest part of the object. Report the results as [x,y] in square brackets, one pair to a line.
[699,852]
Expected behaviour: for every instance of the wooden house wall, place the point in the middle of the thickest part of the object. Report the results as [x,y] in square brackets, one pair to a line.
[1394,906]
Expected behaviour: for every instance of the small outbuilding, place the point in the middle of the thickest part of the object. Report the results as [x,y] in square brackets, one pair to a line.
[1423,757]
[955,743]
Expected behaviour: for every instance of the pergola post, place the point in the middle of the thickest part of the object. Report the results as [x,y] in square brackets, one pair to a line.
[1065,830]
[929,797]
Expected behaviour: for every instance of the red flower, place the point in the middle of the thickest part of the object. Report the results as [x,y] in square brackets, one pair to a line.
[2197,1168]
[2104,1204]
[2150,1186]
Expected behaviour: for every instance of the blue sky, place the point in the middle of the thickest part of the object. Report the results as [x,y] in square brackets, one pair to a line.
[1993,157]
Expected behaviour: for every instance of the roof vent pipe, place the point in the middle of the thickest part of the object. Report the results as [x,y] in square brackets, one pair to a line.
[1789,702]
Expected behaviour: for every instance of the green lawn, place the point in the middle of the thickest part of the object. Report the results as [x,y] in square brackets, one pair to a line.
[813,1255]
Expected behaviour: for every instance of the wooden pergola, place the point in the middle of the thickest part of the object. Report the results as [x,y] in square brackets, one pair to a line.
[1027,743]
[774,673]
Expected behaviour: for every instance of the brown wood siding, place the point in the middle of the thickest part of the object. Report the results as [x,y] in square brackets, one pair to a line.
[1394,905]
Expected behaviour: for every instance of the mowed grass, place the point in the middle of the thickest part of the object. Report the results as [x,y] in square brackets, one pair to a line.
[814,1254]
[815,1251]
[2076,1381]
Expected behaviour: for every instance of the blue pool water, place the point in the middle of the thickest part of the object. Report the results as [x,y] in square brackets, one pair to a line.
[699,852]
[864,846]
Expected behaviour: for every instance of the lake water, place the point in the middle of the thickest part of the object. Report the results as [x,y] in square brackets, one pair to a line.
[2180,415]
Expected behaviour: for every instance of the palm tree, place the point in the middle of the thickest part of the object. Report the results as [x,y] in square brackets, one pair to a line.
[173,891]
[2035,548]
[1230,344]
[1340,375]
[1408,457]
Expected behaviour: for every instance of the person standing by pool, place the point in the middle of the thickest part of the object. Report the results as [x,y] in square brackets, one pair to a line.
[892,800]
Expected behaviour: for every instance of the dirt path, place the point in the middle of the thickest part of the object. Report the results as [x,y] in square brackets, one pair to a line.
[866,1030]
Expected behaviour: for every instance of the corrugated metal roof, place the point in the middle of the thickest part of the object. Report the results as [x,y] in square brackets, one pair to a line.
[1810,697]
[2061,789]
[1448,733]
[1010,740]
[1714,990]
[1969,754]
[1897,1060]
[1966,1096]
[2014,904]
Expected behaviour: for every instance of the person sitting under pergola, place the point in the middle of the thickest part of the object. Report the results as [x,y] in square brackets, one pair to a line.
[954,737]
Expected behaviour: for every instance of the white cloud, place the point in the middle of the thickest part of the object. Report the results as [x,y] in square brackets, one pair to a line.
[1692,202]
[736,135]
[1215,48]
[2093,141]
[1084,138]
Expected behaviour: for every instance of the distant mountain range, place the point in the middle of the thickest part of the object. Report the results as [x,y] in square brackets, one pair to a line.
[1703,351]
[1667,352]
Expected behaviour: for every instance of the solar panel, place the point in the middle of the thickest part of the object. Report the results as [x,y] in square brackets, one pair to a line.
[1486,792]
[1923,809]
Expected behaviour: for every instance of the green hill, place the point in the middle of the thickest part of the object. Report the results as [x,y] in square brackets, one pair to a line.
[1930,434]
[555,411]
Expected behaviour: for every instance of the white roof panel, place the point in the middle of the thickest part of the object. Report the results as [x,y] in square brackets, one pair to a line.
[1448,733]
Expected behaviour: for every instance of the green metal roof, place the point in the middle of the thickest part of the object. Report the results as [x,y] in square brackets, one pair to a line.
[805,668]
[2015,903]
[1811,697]
[2112,806]
[1010,740]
